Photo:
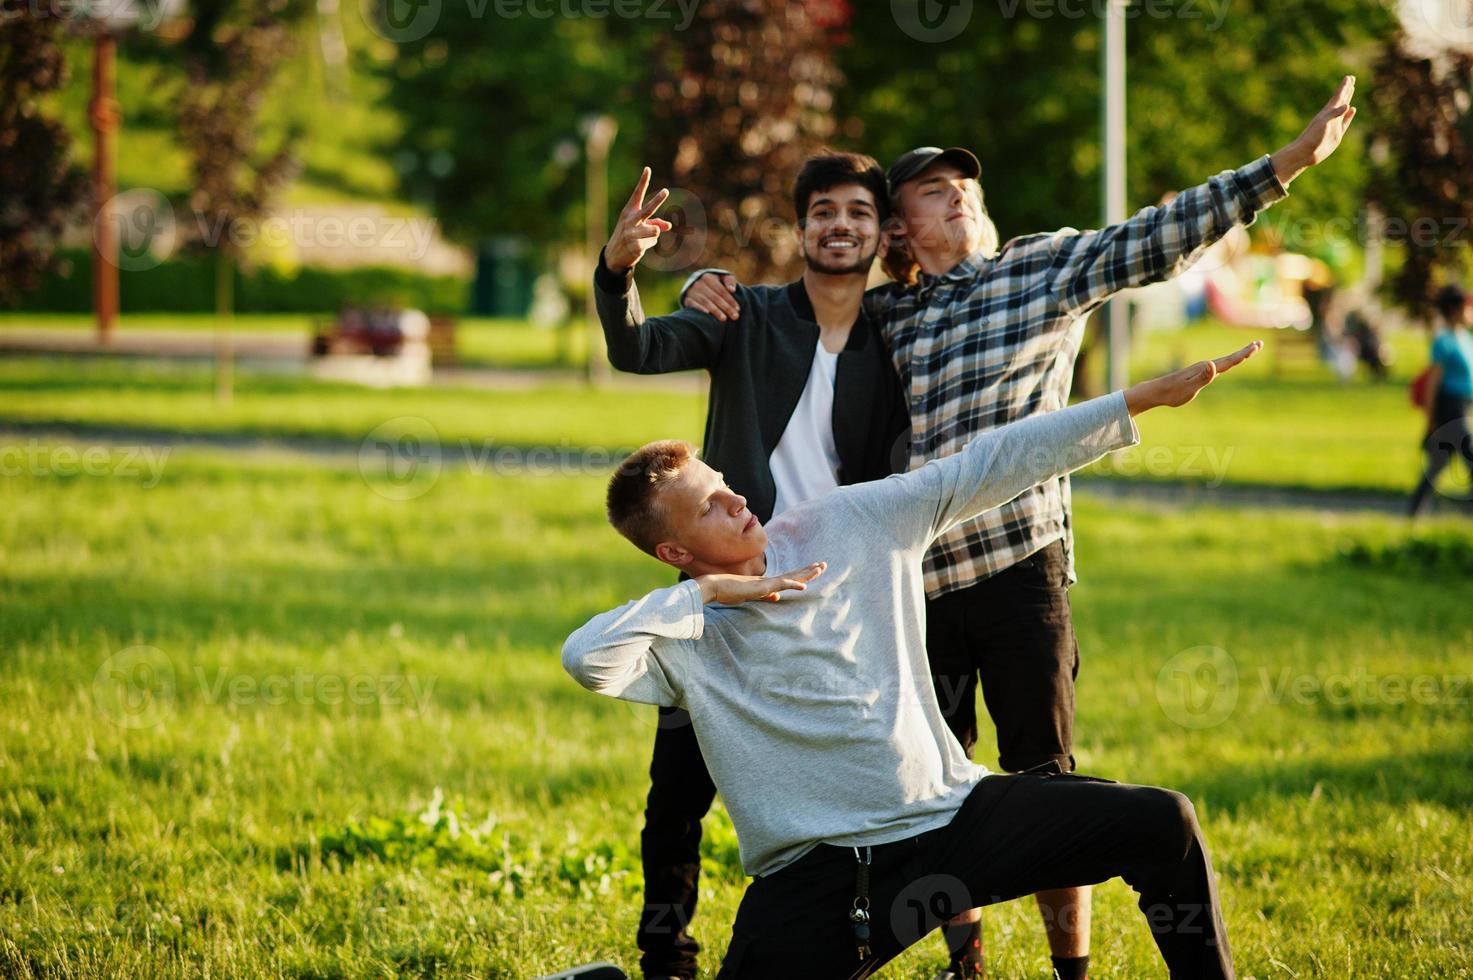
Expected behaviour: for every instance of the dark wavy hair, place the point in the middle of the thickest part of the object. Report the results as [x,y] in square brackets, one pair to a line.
[828,169]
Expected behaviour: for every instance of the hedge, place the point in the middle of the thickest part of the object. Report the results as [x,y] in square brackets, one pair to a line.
[187,285]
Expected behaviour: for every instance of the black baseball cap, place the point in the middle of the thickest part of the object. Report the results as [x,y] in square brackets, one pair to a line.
[910,165]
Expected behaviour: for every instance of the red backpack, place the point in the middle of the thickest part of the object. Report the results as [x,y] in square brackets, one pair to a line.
[1418,389]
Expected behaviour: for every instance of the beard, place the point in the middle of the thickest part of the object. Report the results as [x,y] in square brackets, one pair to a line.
[859,264]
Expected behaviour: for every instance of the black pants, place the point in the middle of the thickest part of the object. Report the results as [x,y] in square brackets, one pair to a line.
[681,792]
[1014,835]
[1013,630]
[1449,439]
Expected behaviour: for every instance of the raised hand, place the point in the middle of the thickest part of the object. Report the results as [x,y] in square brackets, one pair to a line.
[1320,137]
[637,229]
[1179,387]
[715,295]
[729,590]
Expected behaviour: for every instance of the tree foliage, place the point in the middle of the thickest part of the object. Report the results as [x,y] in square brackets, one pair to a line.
[494,109]
[229,59]
[723,107]
[497,101]
[738,102]
[1209,87]
[41,190]
[1424,184]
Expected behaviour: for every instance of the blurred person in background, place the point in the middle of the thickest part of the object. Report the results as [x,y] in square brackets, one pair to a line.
[1448,389]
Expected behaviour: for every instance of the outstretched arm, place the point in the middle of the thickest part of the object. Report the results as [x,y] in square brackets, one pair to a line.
[682,341]
[998,465]
[1320,137]
[636,652]
[1160,242]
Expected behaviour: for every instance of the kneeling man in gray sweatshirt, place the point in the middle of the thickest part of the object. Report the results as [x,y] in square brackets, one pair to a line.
[863,823]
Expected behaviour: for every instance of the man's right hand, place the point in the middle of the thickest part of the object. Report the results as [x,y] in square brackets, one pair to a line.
[715,295]
[638,229]
[729,590]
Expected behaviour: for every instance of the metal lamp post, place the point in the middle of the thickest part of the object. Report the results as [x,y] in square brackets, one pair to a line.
[1112,118]
[598,135]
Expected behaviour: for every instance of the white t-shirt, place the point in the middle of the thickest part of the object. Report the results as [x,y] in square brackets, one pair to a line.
[805,463]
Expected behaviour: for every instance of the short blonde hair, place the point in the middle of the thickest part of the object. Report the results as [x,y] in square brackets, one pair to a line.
[631,501]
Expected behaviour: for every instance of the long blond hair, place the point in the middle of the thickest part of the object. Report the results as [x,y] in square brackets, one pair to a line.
[901,265]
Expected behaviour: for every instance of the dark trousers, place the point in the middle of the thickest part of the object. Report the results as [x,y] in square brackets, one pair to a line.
[1014,835]
[1014,634]
[681,792]
[1449,439]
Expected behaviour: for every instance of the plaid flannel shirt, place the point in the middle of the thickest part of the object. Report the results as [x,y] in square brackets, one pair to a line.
[995,340]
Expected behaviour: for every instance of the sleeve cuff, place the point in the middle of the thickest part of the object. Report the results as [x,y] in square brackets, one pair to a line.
[1128,435]
[691,280]
[697,609]
[610,281]
[1262,184]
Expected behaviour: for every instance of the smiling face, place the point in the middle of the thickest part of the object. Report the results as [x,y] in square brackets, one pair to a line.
[840,231]
[708,524]
[941,211]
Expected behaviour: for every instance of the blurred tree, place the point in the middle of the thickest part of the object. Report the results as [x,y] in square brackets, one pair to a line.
[724,107]
[493,105]
[495,109]
[740,100]
[1424,184]
[1209,86]
[230,57]
[41,190]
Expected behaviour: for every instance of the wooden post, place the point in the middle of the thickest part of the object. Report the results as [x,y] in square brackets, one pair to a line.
[104,115]
[224,310]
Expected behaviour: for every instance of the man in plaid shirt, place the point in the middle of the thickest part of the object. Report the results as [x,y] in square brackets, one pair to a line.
[983,337]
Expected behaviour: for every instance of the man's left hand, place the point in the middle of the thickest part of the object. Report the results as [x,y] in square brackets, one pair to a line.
[1320,137]
[1180,387]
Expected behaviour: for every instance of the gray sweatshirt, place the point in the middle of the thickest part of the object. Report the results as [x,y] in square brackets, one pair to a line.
[816,714]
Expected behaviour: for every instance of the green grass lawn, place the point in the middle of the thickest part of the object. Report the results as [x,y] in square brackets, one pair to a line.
[123,396]
[1299,428]
[232,692]
[479,341]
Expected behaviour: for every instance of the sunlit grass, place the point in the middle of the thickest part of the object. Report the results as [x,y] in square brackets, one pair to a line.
[242,598]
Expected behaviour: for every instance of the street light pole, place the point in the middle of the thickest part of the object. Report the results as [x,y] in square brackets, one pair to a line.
[1112,69]
[599,135]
